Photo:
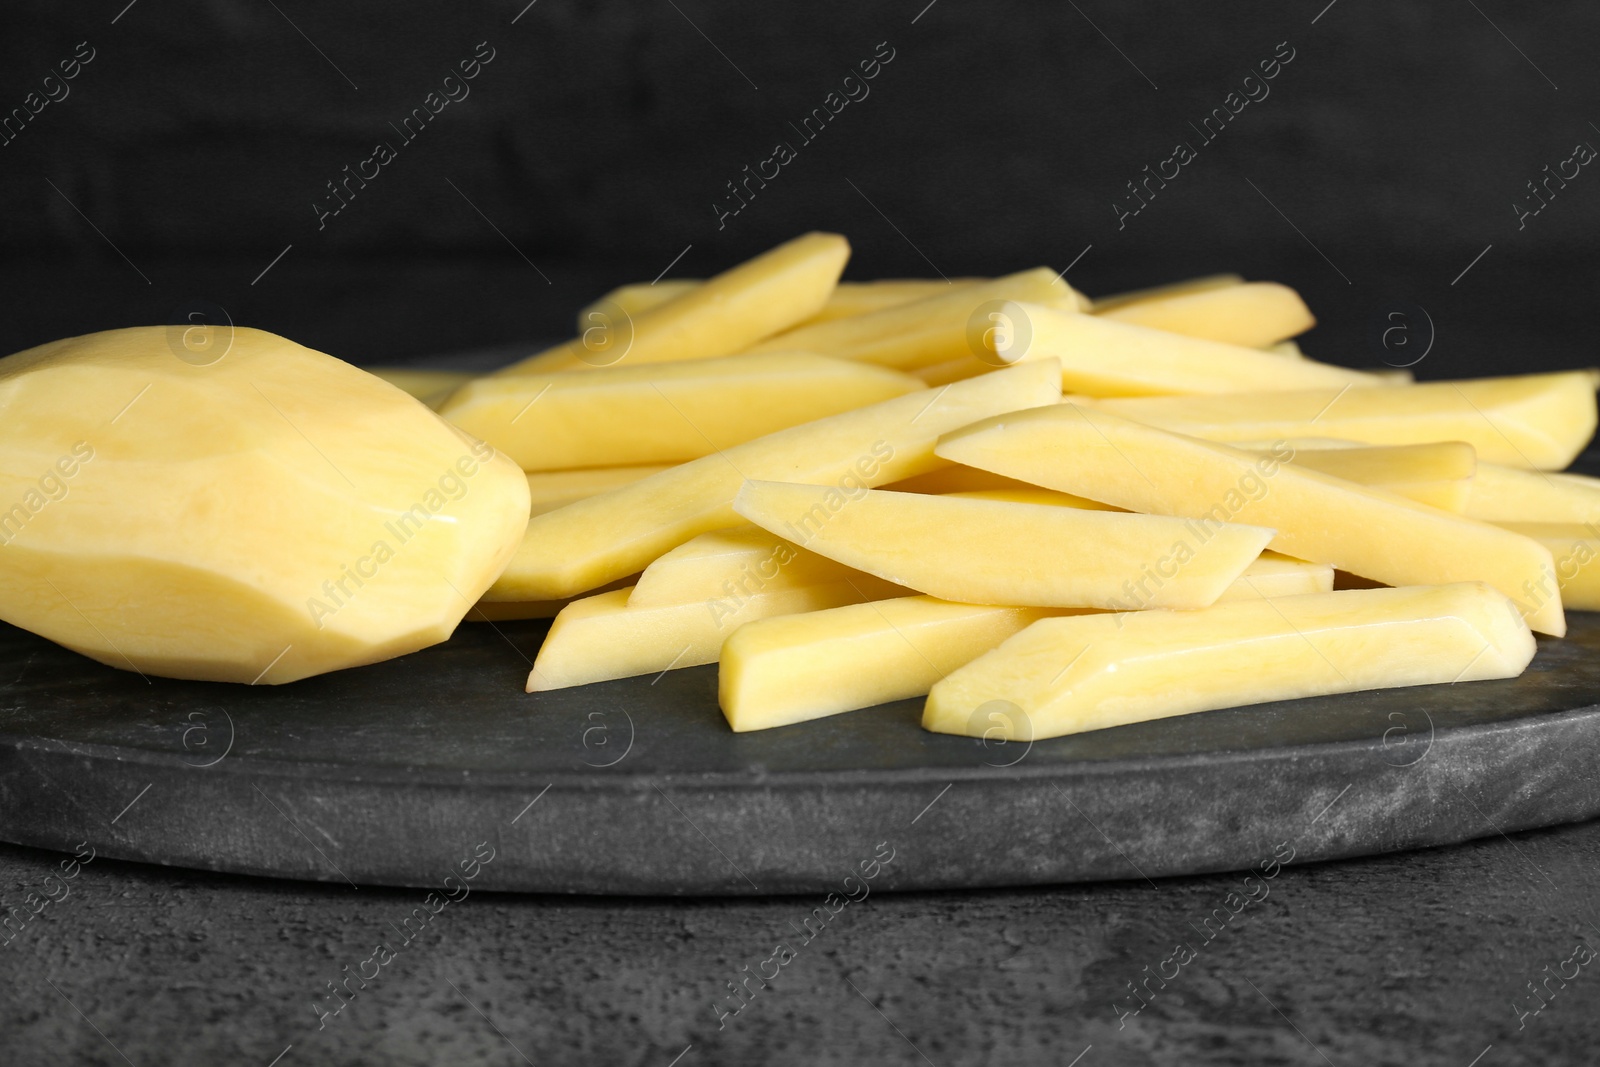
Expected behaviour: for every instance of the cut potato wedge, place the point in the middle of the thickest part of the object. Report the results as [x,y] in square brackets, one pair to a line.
[998,552]
[723,567]
[662,412]
[785,670]
[847,298]
[1576,549]
[602,637]
[727,314]
[1032,494]
[1367,531]
[1254,314]
[1090,672]
[1102,357]
[954,478]
[605,537]
[1274,574]
[1505,494]
[1539,421]
[1438,474]
[952,370]
[634,299]
[863,298]
[779,671]
[1430,474]
[924,332]
[1160,292]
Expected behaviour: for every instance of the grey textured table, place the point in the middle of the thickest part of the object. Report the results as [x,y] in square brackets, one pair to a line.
[1411,958]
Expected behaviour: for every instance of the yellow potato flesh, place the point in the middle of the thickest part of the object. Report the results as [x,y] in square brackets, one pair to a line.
[1539,421]
[1160,292]
[1439,474]
[1105,358]
[1356,528]
[1446,496]
[1032,494]
[779,671]
[510,610]
[1254,315]
[724,315]
[847,298]
[862,298]
[635,298]
[274,514]
[548,490]
[1505,494]
[662,412]
[923,332]
[953,370]
[1575,547]
[740,562]
[1271,574]
[1284,348]
[1274,574]
[432,387]
[601,637]
[999,552]
[1089,672]
[954,478]
[617,533]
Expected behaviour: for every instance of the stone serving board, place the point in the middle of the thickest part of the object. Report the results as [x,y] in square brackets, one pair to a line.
[394,774]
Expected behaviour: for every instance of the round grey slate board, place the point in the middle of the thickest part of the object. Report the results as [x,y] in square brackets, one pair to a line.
[393,774]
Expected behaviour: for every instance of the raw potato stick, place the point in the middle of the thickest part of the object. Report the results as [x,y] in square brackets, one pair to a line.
[1505,494]
[779,671]
[863,298]
[1089,672]
[847,298]
[926,331]
[1576,549]
[1000,552]
[605,537]
[662,412]
[1160,292]
[601,637]
[1539,421]
[1438,474]
[1274,574]
[1366,531]
[1254,314]
[727,314]
[1105,358]
[724,567]
[634,299]
[789,669]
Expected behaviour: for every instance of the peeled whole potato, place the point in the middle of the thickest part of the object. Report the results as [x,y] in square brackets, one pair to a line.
[259,516]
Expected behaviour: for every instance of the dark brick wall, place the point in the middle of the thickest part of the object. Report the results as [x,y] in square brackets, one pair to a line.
[601,134]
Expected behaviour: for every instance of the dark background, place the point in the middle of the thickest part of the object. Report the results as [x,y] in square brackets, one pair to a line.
[593,146]
[188,156]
